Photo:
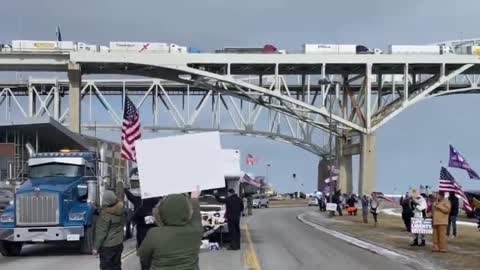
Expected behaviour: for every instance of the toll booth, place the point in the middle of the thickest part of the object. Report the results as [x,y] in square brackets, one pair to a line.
[48,135]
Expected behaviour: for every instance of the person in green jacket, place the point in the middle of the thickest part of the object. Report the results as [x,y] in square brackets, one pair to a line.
[109,232]
[175,243]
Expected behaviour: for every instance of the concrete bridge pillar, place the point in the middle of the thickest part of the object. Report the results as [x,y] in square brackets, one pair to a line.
[368,168]
[74,97]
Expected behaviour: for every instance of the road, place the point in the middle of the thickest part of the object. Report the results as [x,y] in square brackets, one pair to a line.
[280,242]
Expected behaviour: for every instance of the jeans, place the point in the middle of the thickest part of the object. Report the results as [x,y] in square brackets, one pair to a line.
[452,223]
[111,258]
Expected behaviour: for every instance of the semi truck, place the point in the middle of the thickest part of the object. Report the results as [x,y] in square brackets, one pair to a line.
[338,49]
[60,200]
[146,47]
[420,49]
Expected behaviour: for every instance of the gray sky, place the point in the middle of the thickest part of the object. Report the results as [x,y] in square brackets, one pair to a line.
[409,148]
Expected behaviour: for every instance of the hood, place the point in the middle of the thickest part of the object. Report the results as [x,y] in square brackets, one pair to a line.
[116,210]
[174,210]
[59,184]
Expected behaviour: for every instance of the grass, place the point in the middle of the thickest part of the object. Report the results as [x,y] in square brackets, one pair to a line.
[282,203]
[463,252]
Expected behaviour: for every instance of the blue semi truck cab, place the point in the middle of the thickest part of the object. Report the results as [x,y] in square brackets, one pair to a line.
[57,203]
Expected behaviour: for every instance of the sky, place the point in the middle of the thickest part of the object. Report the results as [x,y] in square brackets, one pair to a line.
[410,148]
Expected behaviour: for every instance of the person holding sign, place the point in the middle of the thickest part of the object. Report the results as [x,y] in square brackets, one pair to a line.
[419,206]
[175,243]
[441,210]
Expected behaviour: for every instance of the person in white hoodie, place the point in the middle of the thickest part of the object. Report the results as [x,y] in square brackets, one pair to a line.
[419,206]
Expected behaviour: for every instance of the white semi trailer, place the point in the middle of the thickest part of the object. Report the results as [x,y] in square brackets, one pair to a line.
[420,49]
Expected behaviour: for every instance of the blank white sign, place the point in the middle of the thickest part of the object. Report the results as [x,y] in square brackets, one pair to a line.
[178,164]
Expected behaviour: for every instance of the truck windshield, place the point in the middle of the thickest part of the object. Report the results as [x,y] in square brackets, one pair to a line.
[55,169]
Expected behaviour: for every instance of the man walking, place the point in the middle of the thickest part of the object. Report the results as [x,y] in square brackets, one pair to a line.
[441,211]
[452,219]
[234,207]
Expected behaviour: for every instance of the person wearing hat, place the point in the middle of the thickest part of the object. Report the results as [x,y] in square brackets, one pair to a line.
[419,207]
[109,232]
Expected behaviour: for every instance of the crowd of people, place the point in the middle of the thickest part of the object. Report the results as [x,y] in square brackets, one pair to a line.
[443,212]
[349,203]
[169,230]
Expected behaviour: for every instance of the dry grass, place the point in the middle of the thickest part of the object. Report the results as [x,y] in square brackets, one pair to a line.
[463,251]
[290,203]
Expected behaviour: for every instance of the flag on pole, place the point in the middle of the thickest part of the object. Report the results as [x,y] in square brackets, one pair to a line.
[456,160]
[448,184]
[251,160]
[59,34]
[248,180]
[382,196]
[130,130]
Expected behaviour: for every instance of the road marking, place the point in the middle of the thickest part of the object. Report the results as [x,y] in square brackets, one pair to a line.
[407,260]
[125,257]
[251,258]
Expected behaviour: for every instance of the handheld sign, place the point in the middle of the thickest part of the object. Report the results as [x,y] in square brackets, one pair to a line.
[177,164]
[422,226]
[331,207]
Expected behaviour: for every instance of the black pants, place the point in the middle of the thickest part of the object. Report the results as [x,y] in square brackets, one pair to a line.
[111,258]
[234,230]
[407,220]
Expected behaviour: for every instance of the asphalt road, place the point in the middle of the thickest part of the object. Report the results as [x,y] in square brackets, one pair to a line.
[279,240]
[282,242]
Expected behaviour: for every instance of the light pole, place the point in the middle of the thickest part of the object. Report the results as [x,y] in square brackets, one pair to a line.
[267,178]
[331,126]
[294,175]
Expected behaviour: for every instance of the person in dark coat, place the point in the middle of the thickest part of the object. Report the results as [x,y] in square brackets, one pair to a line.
[142,217]
[407,212]
[234,207]
[452,219]
[109,232]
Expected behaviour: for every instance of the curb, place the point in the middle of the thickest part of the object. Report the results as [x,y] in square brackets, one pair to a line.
[407,260]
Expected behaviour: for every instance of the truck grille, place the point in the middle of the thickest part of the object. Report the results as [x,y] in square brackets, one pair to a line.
[37,209]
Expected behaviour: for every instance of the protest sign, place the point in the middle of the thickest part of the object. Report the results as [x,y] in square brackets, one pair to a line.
[422,226]
[177,164]
[331,207]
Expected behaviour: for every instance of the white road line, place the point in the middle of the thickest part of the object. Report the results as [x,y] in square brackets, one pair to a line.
[371,247]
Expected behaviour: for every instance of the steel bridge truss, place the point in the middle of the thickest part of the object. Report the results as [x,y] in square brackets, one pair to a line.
[164,106]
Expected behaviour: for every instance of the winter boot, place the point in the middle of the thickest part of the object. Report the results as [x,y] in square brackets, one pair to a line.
[415,243]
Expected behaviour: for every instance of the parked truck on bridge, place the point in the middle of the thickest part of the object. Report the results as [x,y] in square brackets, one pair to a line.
[338,49]
[59,201]
[420,49]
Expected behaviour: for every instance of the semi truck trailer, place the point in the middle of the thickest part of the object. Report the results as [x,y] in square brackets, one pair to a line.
[59,201]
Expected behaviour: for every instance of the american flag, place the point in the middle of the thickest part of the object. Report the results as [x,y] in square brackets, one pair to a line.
[382,196]
[130,130]
[251,160]
[248,180]
[448,184]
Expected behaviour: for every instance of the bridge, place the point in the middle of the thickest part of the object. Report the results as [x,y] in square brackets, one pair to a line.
[296,98]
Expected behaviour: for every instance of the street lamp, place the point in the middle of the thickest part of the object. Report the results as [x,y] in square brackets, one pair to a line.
[267,178]
[322,82]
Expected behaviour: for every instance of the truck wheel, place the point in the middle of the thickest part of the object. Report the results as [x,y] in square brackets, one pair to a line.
[10,249]
[86,243]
